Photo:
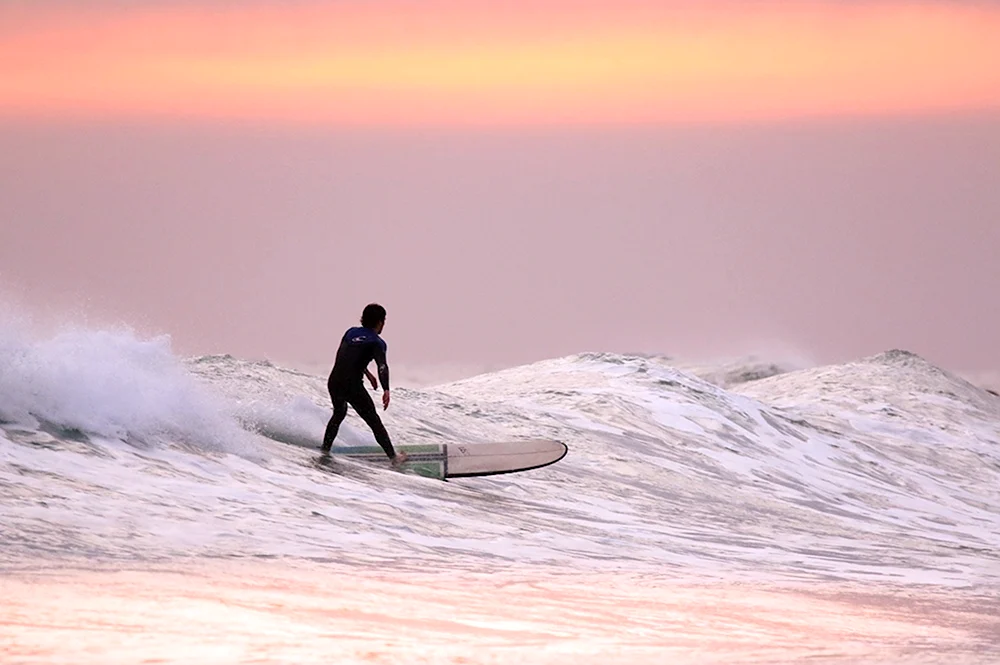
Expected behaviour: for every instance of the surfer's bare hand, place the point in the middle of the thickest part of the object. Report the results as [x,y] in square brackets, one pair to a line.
[385,400]
[399,459]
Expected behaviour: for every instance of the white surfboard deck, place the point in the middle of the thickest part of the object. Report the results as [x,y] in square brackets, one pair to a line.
[454,460]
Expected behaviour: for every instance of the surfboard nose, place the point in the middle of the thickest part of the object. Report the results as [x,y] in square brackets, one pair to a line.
[487,459]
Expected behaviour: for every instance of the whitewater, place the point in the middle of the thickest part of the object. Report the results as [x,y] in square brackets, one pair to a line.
[733,512]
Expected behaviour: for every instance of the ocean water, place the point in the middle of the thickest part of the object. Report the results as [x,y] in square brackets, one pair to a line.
[738,512]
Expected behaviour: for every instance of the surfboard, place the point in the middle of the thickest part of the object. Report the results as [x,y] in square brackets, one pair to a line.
[453,460]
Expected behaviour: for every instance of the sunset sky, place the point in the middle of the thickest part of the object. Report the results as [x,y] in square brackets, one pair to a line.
[465,62]
[513,180]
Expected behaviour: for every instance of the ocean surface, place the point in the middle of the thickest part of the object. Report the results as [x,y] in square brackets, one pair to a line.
[737,512]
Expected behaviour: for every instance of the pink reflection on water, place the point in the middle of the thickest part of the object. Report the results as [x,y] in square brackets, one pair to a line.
[276,612]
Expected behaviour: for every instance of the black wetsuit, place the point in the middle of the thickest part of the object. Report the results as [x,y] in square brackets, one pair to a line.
[358,348]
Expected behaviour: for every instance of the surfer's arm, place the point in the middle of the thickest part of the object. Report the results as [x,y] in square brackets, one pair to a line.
[383,373]
[371,379]
[383,366]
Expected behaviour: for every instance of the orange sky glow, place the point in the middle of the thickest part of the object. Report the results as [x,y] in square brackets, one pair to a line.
[398,63]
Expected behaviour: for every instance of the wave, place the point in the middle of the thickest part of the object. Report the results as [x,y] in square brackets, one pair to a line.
[882,469]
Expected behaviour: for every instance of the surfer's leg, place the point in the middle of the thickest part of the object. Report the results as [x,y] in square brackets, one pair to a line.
[339,413]
[362,403]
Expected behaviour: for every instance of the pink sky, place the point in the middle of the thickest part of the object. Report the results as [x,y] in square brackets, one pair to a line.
[810,177]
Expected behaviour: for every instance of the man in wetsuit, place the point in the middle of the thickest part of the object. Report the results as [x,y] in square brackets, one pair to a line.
[358,348]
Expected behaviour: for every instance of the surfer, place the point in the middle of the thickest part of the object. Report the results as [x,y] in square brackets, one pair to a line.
[358,348]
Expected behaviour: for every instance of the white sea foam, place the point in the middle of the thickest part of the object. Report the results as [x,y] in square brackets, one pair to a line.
[112,384]
[884,470]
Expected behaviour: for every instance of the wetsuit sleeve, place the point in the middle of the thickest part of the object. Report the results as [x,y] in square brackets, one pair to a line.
[383,366]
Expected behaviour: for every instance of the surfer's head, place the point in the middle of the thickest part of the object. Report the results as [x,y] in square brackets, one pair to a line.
[373,317]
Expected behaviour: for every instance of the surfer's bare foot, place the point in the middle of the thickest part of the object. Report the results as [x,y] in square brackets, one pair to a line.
[399,459]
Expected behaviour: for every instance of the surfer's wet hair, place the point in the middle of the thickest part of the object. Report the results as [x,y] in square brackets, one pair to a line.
[373,315]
